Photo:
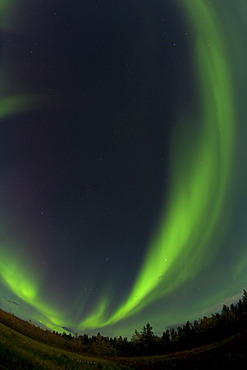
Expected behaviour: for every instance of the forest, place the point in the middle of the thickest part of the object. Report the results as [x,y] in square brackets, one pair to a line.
[231,320]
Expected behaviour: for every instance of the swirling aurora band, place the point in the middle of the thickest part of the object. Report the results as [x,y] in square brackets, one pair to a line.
[198,187]
[199,176]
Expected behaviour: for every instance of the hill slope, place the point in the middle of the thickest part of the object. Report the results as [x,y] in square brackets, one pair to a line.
[18,351]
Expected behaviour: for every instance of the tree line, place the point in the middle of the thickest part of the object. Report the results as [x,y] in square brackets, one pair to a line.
[229,321]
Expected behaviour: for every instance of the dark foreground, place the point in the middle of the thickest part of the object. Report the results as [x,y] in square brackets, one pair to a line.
[18,351]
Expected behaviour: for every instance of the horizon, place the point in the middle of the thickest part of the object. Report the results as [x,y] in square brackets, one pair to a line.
[123,175]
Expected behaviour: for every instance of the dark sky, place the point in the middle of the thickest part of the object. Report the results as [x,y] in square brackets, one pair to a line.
[120,161]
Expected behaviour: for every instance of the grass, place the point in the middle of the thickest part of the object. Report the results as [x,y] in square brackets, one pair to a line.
[19,351]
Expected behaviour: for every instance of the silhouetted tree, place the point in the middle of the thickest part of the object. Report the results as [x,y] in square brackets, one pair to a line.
[205,330]
[147,334]
[244,300]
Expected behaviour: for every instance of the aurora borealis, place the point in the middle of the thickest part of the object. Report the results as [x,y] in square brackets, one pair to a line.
[123,171]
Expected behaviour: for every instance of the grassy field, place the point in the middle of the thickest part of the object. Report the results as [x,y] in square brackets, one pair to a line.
[18,351]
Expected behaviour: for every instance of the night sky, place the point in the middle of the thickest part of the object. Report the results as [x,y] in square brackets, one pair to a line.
[122,161]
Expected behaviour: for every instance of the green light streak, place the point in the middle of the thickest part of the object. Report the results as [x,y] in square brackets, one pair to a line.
[12,105]
[18,279]
[198,180]
[25,285]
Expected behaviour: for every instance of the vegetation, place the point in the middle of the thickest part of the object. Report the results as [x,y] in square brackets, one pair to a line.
[20,352]
[220,339]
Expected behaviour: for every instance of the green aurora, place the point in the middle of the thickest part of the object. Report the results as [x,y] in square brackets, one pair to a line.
[198,190]
[200,173]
